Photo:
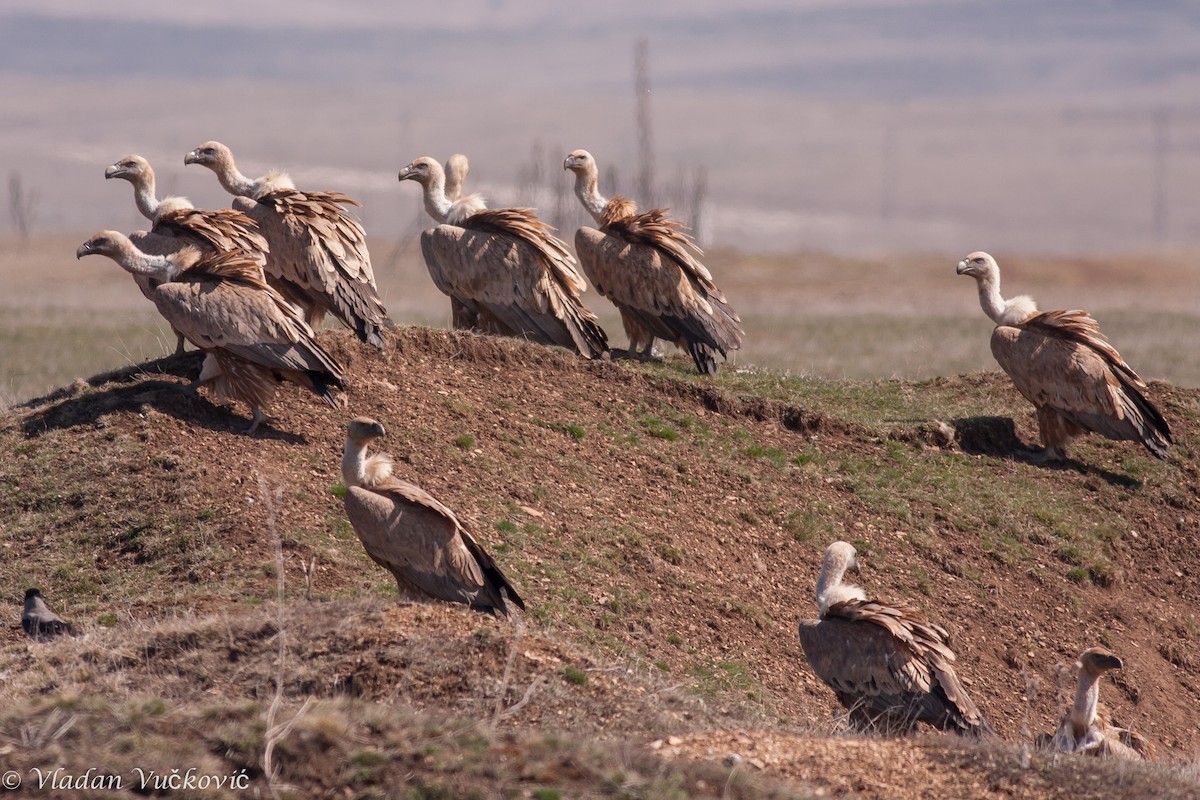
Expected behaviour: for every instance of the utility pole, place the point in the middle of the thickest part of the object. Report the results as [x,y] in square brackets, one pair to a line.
[645,175]
[1162,154]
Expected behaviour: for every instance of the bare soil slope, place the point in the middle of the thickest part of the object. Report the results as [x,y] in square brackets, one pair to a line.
[665,531]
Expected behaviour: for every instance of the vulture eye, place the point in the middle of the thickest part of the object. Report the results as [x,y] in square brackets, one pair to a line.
[101,242]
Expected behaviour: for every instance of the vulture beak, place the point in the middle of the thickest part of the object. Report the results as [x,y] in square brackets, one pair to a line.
[407,172]
[115,171]
[192,158]
[1110,661]
[377,430]
[855,567]
[84,249]
[963,267]
[568,162]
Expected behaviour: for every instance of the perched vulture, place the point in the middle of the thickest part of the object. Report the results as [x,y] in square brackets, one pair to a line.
[409,533]
[505,266]
[39,621]
[646,265]
[177,224]
[888,664]
[319,258]
[1064,365]
[1085,727]
[252,338]
[462,316]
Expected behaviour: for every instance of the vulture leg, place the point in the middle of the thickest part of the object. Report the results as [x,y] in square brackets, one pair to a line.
[179,342]
[258,418]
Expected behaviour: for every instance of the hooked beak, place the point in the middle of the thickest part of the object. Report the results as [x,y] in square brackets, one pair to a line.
[192,158]
[568,162]
[963,268]
[115,171]
[407,173]
[84,249]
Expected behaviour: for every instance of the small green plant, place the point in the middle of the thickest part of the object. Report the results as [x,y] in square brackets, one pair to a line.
[464,442]
[659,429]
[575,675]
[107,620]
[545,793]
[207,514]
[338,490]
[506,526]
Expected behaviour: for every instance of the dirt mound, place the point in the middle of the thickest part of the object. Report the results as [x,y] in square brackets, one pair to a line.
[652,519]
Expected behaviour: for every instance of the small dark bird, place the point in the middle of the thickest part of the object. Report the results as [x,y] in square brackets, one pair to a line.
[39,621]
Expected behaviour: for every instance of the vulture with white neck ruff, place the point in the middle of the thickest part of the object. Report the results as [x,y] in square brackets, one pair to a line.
[647,266]
[506,266]
[178,224]
[888,664]
[409,533]
[1064,365]
[1085,726]
[252,338]
[319,258]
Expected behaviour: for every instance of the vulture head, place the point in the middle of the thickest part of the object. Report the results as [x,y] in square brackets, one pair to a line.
[424,171]
[30,593]
[213,155]
[104,243]
[1098,660]
[357,468]
[131,168]
[580,162]
[362,430]
[978,265]
[839,557]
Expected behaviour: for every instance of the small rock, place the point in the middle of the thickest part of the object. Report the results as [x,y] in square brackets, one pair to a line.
[732,760]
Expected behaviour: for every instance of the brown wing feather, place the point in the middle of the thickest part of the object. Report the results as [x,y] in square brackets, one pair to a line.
[423,544]
[648,285]
[891,662]
[217,231]
[523,224]
[508,277]
[1059,360]
[223,303]
[319,258]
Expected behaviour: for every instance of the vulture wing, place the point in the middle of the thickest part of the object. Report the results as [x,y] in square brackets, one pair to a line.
[657,284]
[222,303]
[216,231]
[319,257]
[515,283]
[1060,360]
[891,666]
[421,542]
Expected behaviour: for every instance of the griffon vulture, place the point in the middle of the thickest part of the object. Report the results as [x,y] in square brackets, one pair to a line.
[463,316]
[646,265]
[888,664]
[319,258]
[1064,365]
[38,621]
[409,533]
[252,338]
[177,224]
[1085,726]
[506,266]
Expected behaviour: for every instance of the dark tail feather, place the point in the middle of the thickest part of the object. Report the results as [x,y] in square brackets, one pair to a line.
[704,356]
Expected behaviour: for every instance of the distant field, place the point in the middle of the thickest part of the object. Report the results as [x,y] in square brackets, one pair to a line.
[804,313]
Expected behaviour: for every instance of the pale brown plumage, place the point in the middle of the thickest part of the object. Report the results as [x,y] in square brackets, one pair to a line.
[177,224]
[319,258]
[412,535]
[647,265]
[39,621]
[1085,726]
[252,338]
[1064,365]
[505,266]
[888,664]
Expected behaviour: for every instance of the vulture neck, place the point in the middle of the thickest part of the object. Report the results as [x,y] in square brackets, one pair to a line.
[831,590]
[587,191]
[234,181]
[161,268]
[354,463]
[1087,697]
[436,203]
[143,195]
[1001,311]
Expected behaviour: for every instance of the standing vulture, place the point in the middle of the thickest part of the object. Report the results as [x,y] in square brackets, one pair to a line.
[1085,726]
[38,621]
[409,533]
[177,224]
[463,316]
[252,338]
[646,265]
[505,266]
[319,258]
[1064,365]
[888,664]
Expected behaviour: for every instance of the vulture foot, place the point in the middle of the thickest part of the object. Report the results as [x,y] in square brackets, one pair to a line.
[258,418]
[179,344]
